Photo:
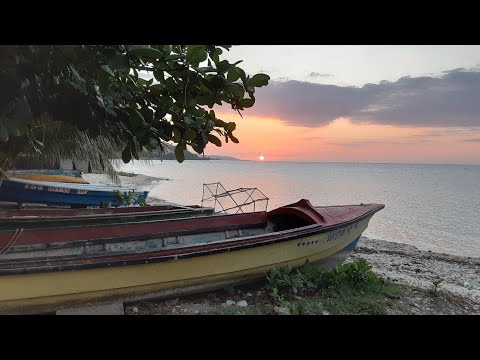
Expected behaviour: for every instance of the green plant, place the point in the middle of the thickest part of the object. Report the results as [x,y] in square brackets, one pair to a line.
[298,308]
[284,279]
[435,285]
[130,198]
[360,272]
[308,276]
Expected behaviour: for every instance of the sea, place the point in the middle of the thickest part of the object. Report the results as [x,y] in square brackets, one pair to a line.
[433,207]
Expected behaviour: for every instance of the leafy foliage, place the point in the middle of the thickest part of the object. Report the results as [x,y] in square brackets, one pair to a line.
[101,89]
[308,276]
[130,198]
[435,285]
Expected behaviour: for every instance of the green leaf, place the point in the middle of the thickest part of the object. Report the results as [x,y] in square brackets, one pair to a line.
[145,51]
[237,91]
[119,63]
[242,74]
[197,148]
[158,88]
[233,74]
[159,75]
[136,119]
[134,153]
[190,135]
[213,139]
[223,65]
[179,154]
[233,138]
[176,135]
[126,155]
[187,120]
[196,54]
[259,80]
[246,103]
[171,85]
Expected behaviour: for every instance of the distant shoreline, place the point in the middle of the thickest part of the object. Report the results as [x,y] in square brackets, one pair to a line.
[324,162]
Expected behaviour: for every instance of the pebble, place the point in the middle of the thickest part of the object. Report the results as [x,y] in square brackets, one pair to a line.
[230,302]
[134,309]
[242,303]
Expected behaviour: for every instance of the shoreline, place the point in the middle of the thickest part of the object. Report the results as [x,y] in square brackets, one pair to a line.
[409,265]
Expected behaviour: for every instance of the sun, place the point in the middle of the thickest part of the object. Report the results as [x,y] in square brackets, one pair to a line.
[261,158]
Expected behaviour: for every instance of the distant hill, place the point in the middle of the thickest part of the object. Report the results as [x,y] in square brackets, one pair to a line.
[170,155]
[221,157]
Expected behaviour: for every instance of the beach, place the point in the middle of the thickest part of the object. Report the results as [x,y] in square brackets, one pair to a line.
[400,263]
[137,181]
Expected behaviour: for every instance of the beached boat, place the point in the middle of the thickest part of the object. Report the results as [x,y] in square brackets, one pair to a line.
[166,258]
[66,176]
[52,193]
[34,219]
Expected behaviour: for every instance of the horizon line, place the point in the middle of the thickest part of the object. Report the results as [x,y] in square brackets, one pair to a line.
[336,162]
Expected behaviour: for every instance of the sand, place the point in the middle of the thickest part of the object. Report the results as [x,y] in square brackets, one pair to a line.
[138,182]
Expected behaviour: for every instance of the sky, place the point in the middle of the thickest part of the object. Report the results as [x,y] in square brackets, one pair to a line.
[394,104]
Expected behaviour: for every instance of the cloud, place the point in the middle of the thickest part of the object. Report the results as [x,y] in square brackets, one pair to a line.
[472,140]
[378,142]
[316,74]
[451,100]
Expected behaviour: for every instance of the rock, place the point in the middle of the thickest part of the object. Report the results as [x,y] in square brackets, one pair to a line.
[325,313]
[230,302]
[242,303]
[249,295]
[467,285]
[134,309]
[196,312]
[259,293]
[281,310]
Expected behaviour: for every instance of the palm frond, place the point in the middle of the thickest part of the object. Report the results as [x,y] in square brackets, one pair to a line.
[61,141]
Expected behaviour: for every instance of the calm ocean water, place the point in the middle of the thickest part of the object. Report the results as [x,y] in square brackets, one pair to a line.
[434,207]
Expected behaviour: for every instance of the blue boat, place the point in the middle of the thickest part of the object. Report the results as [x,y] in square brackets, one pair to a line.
[54,193]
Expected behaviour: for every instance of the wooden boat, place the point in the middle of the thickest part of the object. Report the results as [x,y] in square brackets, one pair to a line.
[51,193]
[34,219]
[167,258]
[66,176]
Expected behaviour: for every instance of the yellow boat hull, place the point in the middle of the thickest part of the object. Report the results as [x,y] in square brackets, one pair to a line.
[51,178]
[49,291]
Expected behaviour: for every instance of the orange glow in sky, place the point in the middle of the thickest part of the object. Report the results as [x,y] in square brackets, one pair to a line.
[345,141]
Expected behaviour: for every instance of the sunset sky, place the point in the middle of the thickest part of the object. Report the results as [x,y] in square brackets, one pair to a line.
[413,104]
